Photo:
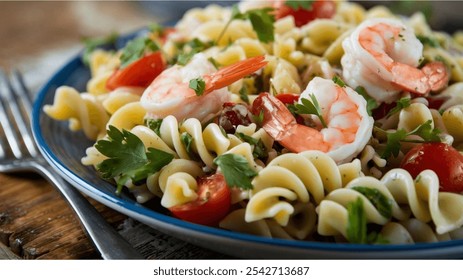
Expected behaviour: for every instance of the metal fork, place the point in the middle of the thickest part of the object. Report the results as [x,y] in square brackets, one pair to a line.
[19,153]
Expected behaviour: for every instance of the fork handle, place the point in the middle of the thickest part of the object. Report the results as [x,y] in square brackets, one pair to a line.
[106,239]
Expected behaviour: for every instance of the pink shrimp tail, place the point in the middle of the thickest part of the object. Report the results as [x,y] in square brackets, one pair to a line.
[281,125]
[432,77]
[232,73]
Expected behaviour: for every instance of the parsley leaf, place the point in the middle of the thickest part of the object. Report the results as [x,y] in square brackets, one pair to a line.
[198,85]
[357,222]
[371,102]
[127,157]
[425,131]
[379,200]
[312,108]
[187,141]
[92,43]
[261,20]
[403,103]
[425,40]
[189,49]
[154,125]
[135,49]
[299,4]
[337,80]
[357,230]
[236,170]
[259,150]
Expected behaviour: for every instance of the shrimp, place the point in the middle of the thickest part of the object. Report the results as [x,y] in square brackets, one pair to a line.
[383,56]
[170,94]
[349,127]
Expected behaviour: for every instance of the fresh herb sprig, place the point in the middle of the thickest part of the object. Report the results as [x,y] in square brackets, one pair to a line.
[236,170]
[402,103]
[262,21]
[311,107]
[394,139]
[135,49]
[299,4]
[198,85]
[93,43]
[378,199]
[357,230]
[128,158]
[371,102]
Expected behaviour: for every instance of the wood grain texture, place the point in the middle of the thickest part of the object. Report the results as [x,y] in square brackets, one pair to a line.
[37,223]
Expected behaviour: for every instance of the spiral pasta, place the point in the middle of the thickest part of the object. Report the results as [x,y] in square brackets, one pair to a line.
[279,190]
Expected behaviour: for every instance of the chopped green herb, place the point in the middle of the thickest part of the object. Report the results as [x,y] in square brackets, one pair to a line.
[236,170]
[337,80]
[312,108]
[425,131]
[244,94]
[128,158]
[198,85]
[357,230]
[379,200]
[403,103]
[154,125]
[259,150]
[135,49]
[189,49]
[425,40]
[261,20]
[92,43]
[187,141]
[371,102]
[299,4]
[156,28]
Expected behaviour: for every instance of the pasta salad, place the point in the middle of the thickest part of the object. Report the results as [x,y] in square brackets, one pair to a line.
[308,120]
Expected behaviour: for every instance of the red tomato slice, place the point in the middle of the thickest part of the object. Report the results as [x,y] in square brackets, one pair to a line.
[139,73]
[319,9]
[288,98]
[443,159]
[211,206]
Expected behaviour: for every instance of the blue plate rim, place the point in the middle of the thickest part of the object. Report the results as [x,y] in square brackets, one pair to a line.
[136,209]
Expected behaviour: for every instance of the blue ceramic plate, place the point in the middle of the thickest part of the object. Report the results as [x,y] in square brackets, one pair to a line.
[63,149]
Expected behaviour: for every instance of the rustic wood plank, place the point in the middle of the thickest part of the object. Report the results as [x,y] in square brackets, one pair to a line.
[36,222]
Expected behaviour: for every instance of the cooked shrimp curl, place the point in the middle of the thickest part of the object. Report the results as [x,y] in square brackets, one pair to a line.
[348,125]
[383,55]
[170,93]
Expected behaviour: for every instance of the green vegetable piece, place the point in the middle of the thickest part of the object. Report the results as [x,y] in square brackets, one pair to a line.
[403,103]
[93,43]
[371,102]
[379,200]
[198,85]
[299,4]
[236,170]
[312,108]
[357,230]
[127,157]
[259,150]
[261,20]
[135,49]
[425,131]
[337,80]
[154,125]
[357,222]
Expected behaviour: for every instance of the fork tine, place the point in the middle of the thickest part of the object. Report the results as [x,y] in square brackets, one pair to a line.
[5,100]
[23,117]
[18,93]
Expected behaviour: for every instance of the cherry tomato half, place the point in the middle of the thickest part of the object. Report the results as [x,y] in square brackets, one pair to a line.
[211,206]
[139,73]
[442,158]
[318,9]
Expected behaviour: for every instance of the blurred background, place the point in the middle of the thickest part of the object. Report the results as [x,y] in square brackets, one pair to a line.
[39,36]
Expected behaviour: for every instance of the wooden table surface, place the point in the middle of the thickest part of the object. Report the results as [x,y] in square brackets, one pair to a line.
[35,222]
